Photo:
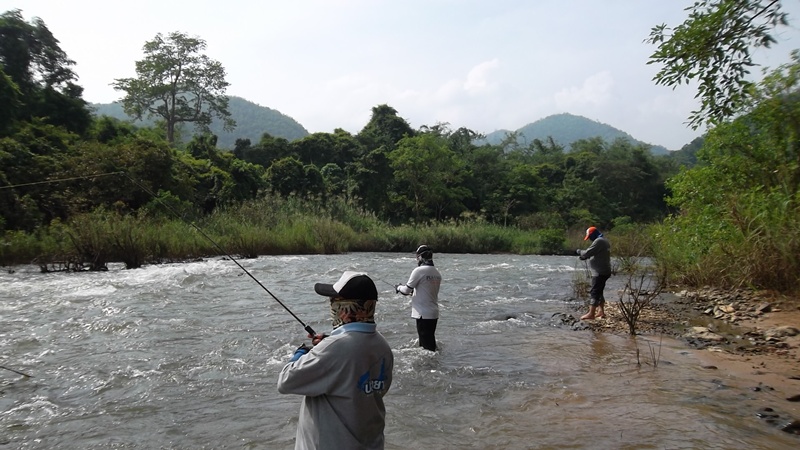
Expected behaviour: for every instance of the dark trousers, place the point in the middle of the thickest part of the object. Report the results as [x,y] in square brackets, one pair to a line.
[596,292]
[426,329]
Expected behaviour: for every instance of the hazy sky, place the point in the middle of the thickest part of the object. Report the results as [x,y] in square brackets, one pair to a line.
[481,64]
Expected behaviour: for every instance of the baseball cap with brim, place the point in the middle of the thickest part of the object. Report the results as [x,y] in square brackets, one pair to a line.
[351,286]
[589,232]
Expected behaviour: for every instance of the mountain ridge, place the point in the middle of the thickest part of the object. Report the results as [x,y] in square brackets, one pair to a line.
[566,128]
[253,120]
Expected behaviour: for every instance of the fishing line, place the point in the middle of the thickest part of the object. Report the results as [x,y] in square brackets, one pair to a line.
[390,284]
[61,179]
[308,328]
[199,230]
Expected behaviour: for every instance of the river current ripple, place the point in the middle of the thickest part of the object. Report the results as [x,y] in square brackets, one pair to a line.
[186,356]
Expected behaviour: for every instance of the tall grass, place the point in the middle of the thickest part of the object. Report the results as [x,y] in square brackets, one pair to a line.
[266,226]
[754,243]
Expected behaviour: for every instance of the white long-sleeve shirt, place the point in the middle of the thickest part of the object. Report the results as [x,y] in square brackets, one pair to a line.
[423,286]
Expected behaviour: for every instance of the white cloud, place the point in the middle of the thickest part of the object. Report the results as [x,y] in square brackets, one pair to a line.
[595,91]
[478,78]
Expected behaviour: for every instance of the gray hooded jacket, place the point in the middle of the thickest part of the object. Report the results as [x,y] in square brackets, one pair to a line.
[599,256]
[343,379]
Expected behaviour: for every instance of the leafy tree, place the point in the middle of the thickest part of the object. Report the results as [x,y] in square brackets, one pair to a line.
[313,182]
[713,46]
[629,183]
[462,140]
[739,207]
[286,176]
[339,147]
[512,142]
[178,84]
[30,54]
[10,99]
[248,179]
[486,171]
[31,57]
[687,155]
[267,151]
[144,162]
[547,152]
[36,152]
[384,129]
[371,170]
[107,129]
[428,175]
[520,192]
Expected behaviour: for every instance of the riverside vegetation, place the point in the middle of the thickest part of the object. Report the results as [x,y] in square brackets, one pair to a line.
[77,192]
[269,225]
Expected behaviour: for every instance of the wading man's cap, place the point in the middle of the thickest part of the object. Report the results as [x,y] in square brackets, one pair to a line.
[589,233]
[351,286]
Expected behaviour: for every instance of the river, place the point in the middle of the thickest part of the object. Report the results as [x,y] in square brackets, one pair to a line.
[186,356]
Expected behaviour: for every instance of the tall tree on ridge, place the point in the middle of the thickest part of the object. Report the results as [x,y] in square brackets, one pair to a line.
[178,84]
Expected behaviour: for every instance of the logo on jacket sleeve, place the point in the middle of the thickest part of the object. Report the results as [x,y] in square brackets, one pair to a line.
[369,385]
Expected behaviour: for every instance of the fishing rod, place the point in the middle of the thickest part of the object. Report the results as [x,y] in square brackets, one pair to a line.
[17,372]
[308,328]
[390,284]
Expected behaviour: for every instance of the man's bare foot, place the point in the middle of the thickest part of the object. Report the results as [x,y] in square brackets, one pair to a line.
[601,316]
[587,316]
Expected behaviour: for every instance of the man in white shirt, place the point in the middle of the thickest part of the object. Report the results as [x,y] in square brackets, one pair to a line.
[423,287]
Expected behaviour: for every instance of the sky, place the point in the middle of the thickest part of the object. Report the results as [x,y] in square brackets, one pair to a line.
[481,64]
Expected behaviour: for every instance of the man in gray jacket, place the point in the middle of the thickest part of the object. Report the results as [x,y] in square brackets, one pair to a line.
[599,256]
[345,375]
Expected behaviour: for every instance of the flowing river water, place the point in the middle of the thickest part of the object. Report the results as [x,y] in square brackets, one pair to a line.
[186,356]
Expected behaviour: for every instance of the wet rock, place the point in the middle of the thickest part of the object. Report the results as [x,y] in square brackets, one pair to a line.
[764,308]
[781,332]
[705,334]
[792,427]
[505,316]
[578,326]
[563,318]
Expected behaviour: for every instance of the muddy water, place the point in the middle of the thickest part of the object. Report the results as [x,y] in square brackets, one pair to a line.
[186,356]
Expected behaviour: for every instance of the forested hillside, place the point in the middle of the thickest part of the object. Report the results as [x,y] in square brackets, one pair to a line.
[397,174]
[565,129]
[252,121]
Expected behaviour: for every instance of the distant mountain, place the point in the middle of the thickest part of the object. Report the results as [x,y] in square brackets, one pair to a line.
[567,128]
[252,121]
[687,155]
